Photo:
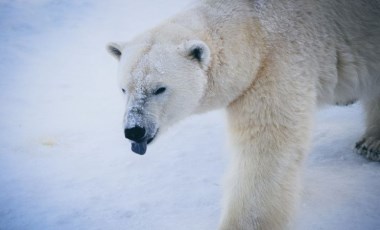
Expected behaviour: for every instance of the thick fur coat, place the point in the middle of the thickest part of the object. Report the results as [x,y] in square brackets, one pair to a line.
[270,64]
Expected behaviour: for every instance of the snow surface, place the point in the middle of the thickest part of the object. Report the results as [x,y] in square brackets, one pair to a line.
[64,163]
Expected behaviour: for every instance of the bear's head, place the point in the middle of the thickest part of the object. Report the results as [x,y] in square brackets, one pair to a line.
[163,82]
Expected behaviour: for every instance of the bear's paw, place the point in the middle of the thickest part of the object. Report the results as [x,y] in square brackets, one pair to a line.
[369,147]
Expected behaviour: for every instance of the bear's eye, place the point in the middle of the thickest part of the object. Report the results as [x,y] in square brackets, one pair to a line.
[123,91]
[159,91]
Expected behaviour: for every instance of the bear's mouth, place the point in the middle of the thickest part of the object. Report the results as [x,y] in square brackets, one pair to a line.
[141,146]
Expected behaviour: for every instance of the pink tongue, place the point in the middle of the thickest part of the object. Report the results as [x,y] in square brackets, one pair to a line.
[139,148]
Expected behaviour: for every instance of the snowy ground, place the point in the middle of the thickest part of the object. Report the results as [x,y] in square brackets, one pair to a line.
[64,163]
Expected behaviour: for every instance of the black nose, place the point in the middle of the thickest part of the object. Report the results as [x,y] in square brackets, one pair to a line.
[136,133]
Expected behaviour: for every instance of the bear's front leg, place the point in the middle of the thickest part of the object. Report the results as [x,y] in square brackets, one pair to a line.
[270,131]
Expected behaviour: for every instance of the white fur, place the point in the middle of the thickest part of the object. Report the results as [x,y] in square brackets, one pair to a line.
[270,64]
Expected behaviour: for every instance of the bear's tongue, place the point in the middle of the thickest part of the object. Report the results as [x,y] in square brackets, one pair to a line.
[139,147]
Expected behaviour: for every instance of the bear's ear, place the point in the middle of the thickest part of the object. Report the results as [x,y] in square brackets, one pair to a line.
[115,49]
[198,51]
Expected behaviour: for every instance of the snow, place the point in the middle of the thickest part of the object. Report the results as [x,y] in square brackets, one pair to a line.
[64,163]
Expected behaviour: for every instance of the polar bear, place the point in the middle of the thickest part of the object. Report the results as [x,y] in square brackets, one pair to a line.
[271,64]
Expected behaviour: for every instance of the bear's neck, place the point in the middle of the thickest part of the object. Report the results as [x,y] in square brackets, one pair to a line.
[237,47]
